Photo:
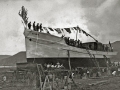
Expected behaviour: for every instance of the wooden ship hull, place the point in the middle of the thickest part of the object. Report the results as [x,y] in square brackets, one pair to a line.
[45,48]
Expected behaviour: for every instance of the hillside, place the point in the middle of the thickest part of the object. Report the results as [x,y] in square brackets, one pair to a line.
[116,47]
[11,61]
[4,56]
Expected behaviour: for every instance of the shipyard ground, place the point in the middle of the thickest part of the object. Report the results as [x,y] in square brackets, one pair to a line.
[101,83]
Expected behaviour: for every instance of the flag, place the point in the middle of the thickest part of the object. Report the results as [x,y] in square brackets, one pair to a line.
[72,29]
[51,29]
[68,30]
[58,30]
[77,28]
[85,33]
[45,28]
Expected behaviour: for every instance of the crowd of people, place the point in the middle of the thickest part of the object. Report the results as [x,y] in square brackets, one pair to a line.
[52,66]
[72,42]
[79,44]
[91,72]
[107,48]
[37,27]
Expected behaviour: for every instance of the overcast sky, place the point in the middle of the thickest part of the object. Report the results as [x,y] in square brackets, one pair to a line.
[100,18]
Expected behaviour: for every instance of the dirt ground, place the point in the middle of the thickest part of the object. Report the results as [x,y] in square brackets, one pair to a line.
[106,83]
[28,81]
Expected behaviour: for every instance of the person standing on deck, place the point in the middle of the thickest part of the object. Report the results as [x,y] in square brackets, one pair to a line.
[29,25]
[34,26]
[40,27]
[37,27]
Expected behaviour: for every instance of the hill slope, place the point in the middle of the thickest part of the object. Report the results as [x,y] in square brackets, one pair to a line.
[11,61]
[116,46]
[4,56]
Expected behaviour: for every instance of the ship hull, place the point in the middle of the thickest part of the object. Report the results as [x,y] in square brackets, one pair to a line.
[74,62]
[46,48]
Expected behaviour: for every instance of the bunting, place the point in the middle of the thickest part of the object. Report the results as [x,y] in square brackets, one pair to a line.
[45,28]
[77,28]
[58,30]
[72,29]
[68,30]
[85,33]
[51,29]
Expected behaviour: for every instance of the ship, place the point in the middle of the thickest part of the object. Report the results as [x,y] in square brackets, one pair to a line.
[45,48]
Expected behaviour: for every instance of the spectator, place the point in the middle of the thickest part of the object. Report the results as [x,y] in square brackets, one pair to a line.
[88,73]
[40,27]
[34,26]
[37,27]
[29,25]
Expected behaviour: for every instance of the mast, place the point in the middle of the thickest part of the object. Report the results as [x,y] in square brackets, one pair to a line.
[76,34]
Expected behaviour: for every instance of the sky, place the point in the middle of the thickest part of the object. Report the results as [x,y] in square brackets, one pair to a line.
[100,18]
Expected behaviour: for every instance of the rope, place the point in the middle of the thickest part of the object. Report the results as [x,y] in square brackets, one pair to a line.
[59,52]
[36,45]
[47,45]
[28,34]
[93,59]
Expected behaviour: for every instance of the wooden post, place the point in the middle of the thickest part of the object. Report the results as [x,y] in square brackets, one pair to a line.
[45,82]
[39,78]
[52,81]
[69,60]
[107,64]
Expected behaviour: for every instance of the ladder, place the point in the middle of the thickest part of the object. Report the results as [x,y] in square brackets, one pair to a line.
[107,64]
[40,69]
[93,59]
[40,72]
[105,57]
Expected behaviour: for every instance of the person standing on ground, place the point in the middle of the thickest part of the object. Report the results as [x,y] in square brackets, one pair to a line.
[88,73]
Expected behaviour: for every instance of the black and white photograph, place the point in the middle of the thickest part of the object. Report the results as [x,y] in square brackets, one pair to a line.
[59,44]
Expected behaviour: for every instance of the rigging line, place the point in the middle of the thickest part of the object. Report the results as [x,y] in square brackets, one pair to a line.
[62,48]
[59,52]
[46,45]
[51,42]
[28,34]
[92,57]
[58,48]
[52,35]
[36,46]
